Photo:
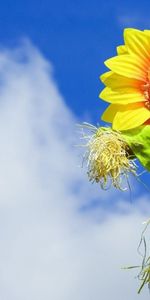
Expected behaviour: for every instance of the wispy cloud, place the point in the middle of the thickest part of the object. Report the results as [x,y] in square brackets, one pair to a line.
[135,19]
[49,248]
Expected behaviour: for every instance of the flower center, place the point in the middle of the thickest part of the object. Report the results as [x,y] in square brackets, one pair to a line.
[146,92]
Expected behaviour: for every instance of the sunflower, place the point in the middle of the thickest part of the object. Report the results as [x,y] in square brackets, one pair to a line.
[128,82]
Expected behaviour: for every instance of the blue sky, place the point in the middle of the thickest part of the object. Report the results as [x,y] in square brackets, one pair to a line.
[56,228]
[72,34]
[77,36]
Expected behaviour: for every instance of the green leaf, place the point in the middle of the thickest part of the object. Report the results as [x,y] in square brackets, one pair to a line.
[138,140]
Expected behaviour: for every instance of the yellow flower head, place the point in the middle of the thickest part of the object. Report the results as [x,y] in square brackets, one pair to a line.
[128,82]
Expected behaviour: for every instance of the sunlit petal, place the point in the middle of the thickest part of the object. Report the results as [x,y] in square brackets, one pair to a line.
[110,112]
[137,43]
[127,66]
[122,49]
[122,95]
[114,81]
[131,118]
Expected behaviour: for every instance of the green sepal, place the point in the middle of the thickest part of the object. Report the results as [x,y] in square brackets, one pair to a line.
[138,140]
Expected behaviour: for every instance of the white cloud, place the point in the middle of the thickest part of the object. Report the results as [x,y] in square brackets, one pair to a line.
[50,248]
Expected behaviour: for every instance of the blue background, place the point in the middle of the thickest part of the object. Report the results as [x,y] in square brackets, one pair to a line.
[76,36]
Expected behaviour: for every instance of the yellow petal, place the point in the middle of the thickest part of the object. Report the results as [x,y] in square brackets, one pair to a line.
[105,76]
[114,81]
[122,95]
[122,50]
[130,118]
[138,43]
[110,112]
[147,32]
[128,66]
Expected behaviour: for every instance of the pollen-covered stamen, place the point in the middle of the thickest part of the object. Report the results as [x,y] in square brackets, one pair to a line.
[108,157]
[146,91]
